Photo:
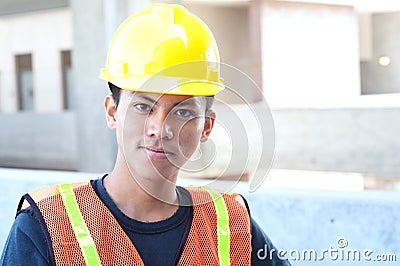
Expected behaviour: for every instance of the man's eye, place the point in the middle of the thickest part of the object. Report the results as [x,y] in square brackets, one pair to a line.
[143,107]
[184,113]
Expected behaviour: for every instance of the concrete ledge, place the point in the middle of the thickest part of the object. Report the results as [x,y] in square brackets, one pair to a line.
[41,141]
[362,140]
[295,219]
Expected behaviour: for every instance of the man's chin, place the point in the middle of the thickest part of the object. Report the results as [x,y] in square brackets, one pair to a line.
[153,170]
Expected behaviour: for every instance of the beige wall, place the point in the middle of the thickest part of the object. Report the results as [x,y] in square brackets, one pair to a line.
[43,34]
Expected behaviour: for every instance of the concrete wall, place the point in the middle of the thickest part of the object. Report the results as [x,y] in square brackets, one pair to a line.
[13,7]
[295,219]
[385,42]
[361,138]
[364,140]
[295,73]
[71,141]
[89,55]
[94,24]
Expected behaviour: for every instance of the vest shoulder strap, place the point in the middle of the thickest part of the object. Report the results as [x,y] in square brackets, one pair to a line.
[222,222]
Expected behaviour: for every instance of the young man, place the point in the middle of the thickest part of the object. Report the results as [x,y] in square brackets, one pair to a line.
[162,69]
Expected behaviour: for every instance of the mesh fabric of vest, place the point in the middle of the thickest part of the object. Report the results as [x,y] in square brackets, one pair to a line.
[114,246]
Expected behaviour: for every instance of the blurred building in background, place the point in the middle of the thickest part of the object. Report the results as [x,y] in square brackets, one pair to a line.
[328,69]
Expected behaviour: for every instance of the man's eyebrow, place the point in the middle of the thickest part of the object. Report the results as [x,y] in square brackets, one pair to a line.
[186,102]
[153,101]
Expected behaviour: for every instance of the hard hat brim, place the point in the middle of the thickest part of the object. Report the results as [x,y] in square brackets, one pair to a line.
[166,85]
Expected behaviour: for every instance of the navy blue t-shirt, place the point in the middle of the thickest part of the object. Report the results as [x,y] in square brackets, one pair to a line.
[158,243]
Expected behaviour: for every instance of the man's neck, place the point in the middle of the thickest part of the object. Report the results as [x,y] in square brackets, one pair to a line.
[149,201]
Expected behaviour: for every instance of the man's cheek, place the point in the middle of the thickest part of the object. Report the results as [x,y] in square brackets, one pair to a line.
[188,143]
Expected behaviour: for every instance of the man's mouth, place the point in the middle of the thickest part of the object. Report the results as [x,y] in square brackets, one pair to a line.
[156,152]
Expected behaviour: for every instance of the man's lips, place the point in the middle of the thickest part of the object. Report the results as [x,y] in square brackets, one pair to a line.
[156,152]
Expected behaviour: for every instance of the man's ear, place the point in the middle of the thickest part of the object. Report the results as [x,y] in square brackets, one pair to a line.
[111,109]
[208,126]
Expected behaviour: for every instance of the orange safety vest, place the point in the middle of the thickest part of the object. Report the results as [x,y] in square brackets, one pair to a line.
[112,245]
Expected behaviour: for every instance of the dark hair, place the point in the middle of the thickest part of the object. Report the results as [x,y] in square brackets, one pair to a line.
[116,93]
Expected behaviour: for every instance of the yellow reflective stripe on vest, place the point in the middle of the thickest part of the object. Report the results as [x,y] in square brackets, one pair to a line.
[79,226]
[223,231]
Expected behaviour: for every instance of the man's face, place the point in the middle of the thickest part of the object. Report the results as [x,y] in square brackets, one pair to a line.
[159,133]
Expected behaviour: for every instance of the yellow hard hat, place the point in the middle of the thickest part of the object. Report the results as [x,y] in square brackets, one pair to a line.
[164,49]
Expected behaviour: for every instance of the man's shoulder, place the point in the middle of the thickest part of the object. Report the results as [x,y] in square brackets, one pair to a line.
[26,243]
[25,218]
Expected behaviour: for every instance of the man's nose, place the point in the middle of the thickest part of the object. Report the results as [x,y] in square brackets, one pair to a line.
[158,125]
